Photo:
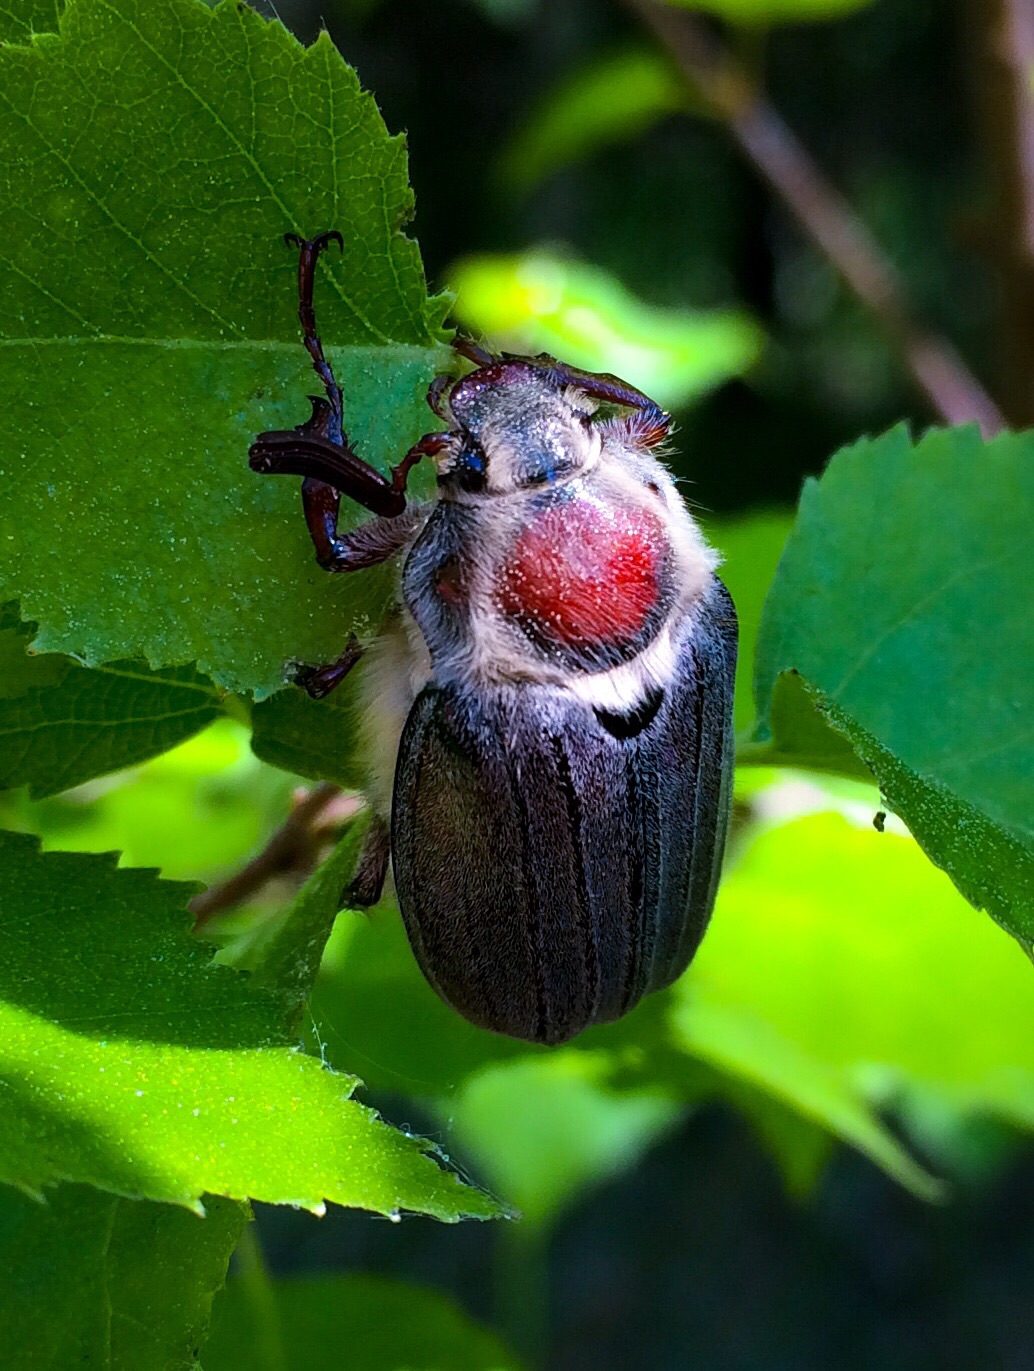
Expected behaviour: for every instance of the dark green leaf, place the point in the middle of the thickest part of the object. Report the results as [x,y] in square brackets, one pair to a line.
[88,1279]
[384,1325]
[148,331]
[315,738]
[133,1063]
[288,956]
[901,600]
[61,724]
[20,19]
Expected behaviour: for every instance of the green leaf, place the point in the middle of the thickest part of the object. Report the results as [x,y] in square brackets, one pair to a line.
[148,331]
[88,1279]
[315,738]
[287,954]
[802,735]
[546,1129]
[133,1063]
[842,972]
[613,99]
[384,1324]
[900,601]
[773,11]
[196,812]
[536,302]
[61,724]
[20,19]
[750,547]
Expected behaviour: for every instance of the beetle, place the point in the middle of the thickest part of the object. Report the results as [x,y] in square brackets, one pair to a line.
[547,711]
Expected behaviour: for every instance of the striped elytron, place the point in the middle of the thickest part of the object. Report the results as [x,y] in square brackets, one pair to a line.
[548,709]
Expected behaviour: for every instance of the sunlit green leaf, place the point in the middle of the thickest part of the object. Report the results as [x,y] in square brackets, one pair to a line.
[900,600]
[841,971]
[384,1325]
[194,812]
[148,331]
[133,1063]
[61,724]
[611,100]
[88,1279]
[544,1130]
[536,302]
[773,11]
[750,547]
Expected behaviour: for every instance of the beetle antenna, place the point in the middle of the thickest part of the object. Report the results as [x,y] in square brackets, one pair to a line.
[309,250]
[474,352]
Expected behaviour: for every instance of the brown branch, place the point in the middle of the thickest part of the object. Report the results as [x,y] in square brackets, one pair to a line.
[292,846]
[1002,39]
[726,88]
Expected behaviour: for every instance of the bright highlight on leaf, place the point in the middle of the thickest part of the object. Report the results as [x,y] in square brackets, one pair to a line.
[135,1064]
[842,972]
[536,302]
[148,330]
[773,11]
[902,600]
[612,100]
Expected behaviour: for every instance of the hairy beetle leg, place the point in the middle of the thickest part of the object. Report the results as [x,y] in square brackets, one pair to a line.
[368,545]
[318,681]
[371,870]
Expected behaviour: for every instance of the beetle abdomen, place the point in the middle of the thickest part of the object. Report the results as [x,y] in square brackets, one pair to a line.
[554,863]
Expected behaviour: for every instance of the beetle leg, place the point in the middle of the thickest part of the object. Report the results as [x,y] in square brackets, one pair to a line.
[368,545]
[320,449]
[373,542]
[366,885]
[318,681]
[308,255]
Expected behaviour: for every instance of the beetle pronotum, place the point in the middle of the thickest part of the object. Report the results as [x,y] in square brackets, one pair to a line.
[548,708]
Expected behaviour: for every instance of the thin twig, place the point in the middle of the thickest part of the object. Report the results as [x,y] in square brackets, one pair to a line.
[952,390]
[1002,39]
[290,847]
[1013,45]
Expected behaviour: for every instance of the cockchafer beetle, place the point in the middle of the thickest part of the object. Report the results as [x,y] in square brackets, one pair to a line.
[548,710]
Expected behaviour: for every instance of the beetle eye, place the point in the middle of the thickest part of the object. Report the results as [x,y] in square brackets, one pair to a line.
[470,467]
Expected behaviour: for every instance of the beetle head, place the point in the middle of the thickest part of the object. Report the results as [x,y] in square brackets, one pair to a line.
[516,426]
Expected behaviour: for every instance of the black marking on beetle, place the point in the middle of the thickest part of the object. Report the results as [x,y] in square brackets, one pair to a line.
[632,722]
[590,940]
[544,1022]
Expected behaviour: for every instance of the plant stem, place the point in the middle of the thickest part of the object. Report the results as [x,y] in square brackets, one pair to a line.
[291,846]
[261,1298]
[940,373]
[1002,37]
[522,1288]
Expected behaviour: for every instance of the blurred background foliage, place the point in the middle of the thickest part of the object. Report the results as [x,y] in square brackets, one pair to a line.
[686,1189]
